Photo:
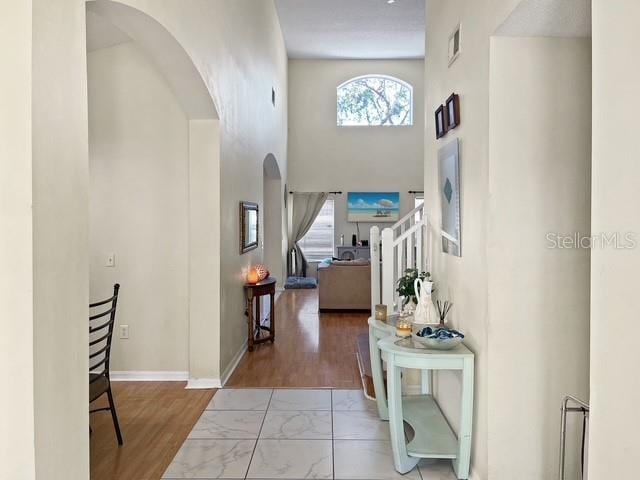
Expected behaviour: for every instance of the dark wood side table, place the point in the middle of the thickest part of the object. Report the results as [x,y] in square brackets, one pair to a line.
[253,292]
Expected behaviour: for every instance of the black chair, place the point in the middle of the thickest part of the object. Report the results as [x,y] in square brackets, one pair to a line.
[100,336]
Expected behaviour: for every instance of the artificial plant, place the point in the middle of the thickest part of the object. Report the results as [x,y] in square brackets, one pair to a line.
[405,285]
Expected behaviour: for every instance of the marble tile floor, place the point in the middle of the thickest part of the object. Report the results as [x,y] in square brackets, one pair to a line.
[293,434]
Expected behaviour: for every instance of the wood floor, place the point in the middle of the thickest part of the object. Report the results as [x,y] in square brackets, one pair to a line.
[155,418]
[311,350]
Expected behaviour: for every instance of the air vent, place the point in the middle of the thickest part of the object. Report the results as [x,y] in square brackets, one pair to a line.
[454,45]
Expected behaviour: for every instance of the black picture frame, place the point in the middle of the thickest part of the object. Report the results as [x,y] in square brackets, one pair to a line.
[249,226]
[453,111]
[441,122]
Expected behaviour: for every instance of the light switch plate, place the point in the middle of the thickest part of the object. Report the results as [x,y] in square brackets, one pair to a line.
[110,260]
[124,331]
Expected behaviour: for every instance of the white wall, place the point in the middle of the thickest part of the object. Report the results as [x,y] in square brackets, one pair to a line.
[204,249]
[273,226]
[325,157]
[139,161]
[17,455]
[238,49]
[60,239]
[540,180]
[615,384]
[43,241]
[464,280]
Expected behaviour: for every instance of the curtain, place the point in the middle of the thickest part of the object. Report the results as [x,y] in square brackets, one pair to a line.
[306,206]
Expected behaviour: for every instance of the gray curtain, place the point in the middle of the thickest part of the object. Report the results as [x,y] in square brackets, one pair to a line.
[306,206]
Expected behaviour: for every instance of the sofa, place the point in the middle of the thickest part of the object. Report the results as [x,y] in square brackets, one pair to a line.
[345,285]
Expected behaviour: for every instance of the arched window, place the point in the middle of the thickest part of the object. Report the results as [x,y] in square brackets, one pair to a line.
[375,100]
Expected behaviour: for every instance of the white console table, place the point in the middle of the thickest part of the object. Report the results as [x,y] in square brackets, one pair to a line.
[433,436]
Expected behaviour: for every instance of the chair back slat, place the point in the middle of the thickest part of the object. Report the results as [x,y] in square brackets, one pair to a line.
[101,334]
[102,302]
[103,314]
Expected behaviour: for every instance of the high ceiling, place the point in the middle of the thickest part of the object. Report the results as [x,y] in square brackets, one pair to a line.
[367,29]
[548,18]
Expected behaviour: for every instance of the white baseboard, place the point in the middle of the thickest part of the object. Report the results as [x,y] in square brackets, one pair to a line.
[148,376]
[234,364]
[203,383]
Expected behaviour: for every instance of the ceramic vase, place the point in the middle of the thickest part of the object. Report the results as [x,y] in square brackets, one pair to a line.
[422,314]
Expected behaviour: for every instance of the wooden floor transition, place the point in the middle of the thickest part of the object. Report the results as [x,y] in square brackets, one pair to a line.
[155,418]
[312,349]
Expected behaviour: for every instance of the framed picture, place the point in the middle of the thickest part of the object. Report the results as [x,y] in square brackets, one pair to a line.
[449,179]
[373,207]
[248,226]
[441,122]
[452,107]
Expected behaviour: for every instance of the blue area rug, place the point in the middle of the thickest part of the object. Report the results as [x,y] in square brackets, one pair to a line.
[300,283]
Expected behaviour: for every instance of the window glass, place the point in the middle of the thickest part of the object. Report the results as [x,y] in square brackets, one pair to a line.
[375,100]
[317,244]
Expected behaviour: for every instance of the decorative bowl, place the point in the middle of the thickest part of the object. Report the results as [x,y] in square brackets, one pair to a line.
[438,338]
[437,343]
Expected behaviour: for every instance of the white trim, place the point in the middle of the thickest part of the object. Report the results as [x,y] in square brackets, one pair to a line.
[148,376]
[203,383]
[234,364]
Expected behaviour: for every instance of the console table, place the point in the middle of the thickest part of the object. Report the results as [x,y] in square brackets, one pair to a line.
[433,436]
[253,292]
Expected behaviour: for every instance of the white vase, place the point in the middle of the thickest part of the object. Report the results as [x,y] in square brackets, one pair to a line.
[422,289]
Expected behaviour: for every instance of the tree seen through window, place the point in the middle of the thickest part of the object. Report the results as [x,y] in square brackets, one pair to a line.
[375,100]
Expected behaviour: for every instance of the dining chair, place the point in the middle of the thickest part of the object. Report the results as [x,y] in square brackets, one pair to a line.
[100,335]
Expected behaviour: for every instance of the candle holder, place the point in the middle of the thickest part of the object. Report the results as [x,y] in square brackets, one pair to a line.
[381,312]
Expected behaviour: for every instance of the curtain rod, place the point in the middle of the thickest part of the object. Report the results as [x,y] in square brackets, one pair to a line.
[334,193]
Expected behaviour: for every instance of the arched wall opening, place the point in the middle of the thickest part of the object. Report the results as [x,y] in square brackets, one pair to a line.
[155,197]
[274,220]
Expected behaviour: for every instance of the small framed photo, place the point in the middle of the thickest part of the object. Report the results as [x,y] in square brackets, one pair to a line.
[452,106]
[441,122]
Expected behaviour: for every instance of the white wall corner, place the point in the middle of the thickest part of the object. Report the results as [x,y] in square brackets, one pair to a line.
[148,376]
[234,364]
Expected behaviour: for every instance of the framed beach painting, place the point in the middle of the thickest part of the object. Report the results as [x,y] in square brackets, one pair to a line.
[373,207]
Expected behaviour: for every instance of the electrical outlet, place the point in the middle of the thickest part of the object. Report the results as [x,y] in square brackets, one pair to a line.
[110,260]
[124,331]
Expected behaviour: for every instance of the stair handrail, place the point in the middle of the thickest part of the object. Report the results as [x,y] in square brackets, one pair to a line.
[400,223]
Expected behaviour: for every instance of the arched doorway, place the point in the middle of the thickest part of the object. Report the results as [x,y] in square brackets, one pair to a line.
[155,173]
[274,219]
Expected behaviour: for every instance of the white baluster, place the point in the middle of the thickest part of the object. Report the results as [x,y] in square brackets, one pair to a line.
[388,283]
[374,244]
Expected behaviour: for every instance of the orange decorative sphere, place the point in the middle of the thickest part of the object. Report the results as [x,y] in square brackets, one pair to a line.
[253,276]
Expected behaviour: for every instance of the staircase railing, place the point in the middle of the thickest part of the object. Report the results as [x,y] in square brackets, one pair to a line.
[396,249]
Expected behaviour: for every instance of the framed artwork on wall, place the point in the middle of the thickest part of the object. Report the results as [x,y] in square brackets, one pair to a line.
[452,107]
[373,207]
[441,122]
[248,226]
[449,180]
